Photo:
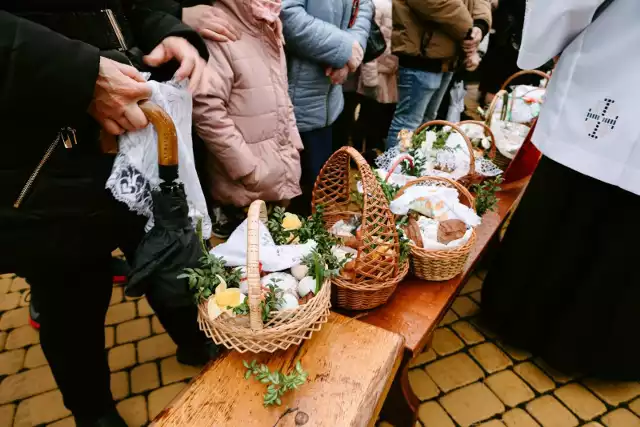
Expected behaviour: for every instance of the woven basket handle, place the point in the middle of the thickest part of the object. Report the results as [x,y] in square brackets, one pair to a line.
[397,163]
[257,214]
[539,73]
[472,160]
[487,131]
[426,179]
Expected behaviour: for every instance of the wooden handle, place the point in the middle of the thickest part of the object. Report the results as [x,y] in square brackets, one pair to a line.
[427,179]
[472,160]
[505,85]
[257,213]
[166,130]
[487,131]
[396,163]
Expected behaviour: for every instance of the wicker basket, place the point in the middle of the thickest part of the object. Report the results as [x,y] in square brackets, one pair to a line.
[285,328]
[500,159]
[376,275]
[440,265]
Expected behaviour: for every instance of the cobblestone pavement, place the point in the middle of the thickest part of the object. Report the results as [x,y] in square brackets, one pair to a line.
[466,378]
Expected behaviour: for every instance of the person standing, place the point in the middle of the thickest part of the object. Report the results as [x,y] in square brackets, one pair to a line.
[69,71]
[429,37]
[564,284]
[324,41]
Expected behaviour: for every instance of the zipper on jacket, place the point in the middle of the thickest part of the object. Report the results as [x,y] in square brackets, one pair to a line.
[116,29]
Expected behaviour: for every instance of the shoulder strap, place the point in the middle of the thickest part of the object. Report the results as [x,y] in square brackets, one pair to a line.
[354,12]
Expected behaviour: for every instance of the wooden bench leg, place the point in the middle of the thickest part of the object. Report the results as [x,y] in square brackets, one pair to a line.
[400,408]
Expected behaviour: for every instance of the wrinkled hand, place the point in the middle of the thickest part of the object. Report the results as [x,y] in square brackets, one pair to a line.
[337,75]
[210,22]
[472,62]
[118,89]
[471,45]
[191,64]
[357,53]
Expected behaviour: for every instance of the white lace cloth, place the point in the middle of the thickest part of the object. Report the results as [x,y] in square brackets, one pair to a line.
[135,170]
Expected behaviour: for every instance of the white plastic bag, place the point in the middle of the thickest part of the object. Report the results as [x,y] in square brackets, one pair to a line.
[135,170]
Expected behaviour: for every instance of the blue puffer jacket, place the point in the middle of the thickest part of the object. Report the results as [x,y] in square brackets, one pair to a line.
[317,35]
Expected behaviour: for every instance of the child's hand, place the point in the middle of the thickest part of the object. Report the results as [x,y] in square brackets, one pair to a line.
[337,75]
[357,54]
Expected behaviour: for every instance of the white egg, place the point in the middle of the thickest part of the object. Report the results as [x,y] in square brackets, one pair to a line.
[283,281]
[288,302]
[306,285]
[299,271]
[212,309]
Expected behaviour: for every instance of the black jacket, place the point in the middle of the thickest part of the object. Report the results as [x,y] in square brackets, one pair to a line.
[46,83]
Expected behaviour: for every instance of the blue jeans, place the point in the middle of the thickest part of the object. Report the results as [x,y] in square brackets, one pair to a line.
[419,96]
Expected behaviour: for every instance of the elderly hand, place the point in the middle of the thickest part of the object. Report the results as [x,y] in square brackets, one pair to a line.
[357,53]
[210,22]
[191,64]
[472,62]
[337,75]
[470,45]
[118,89]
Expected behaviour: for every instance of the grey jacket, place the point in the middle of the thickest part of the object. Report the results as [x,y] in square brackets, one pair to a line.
[317,35]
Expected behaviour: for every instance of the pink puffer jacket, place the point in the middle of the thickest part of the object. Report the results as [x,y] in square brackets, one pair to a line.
[243,113]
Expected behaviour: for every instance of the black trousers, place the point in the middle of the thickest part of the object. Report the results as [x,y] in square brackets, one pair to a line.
[373,124]
[73,299]
[343,128]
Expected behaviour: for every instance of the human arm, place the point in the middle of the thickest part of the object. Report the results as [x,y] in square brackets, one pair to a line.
[552,25]
[314,38]
[362,25]
[453,15]
[212,121]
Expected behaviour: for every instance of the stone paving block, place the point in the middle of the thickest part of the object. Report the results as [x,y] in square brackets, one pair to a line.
[120,385]
[161,397]
[454,371]
[621,418]
[117,295]
[492,423]
[25,299]
[559,377]
[474,284]
[9,301]
[422,385]
[445,342]
[467,332]
[156,326]
[534,377]
[515,353]
[26,384]
[593,424]
[490,357]
[144,377]
[449,317]
[109,336]
[472,404]
[120,313]
[35,357]
[518,418]
[580,401]
[476,296]
[41,409]
[5,284]
[613,393]
[156,347]
[550,413]
[134,411]
[432,414]
[6,415]
[22,337]
[65,422]
[3,340]
[465,307]
[14,318]
[635,406]
[122,357]
[18,284]
[11,361]
[133,330]
[509,388]
[423,358]
[144,309]
[483,328]
[173,371]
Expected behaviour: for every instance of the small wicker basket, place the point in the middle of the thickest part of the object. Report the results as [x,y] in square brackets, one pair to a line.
[377,272]
[440,265]
[284,328]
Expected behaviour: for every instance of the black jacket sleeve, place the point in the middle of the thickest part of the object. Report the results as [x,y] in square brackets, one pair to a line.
[43,75]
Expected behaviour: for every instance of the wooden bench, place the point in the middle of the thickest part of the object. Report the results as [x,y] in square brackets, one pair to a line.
[351,366]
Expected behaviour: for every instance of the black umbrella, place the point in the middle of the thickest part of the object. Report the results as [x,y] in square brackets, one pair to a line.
[172,244]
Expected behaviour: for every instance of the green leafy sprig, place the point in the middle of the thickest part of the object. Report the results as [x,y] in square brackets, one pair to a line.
[323,266]
[274,224]
[485,194]
[273,298]
[278,383]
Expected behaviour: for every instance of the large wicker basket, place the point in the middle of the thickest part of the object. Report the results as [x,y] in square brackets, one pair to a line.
[500,159]
[376,275]
[284,328]
[440,265]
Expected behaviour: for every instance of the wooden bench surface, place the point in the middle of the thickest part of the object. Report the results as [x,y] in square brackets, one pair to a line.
[417,306]
[351,366]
